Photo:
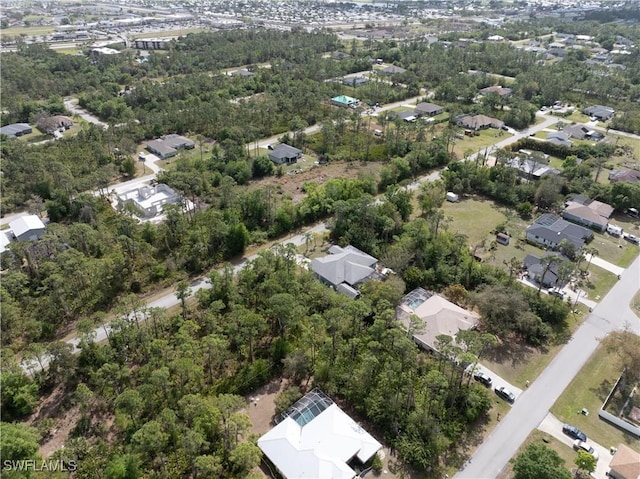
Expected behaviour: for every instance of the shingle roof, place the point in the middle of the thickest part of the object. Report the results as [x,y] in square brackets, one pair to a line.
[284,151]
[626,462]
[554,229]
[344,265]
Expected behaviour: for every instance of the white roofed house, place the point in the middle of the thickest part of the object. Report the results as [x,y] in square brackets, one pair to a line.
[344,268]
[315,439]
[27,228]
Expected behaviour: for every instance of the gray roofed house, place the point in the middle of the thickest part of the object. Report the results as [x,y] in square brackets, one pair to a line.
[478,122]
[531,169]
[534,267]
[497,89]
[393,70]
[600,112]
[559,138]
[284,154]
[168,145]
[588,212]
[15,129]
[355,82]
[439,315]
[429,109]
[550,230]
[629,176]
[582,132]
[345,268]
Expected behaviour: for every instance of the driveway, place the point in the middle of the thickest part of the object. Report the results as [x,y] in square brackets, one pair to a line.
[497,381]
[71,104]
[617,270]
[553,426]
[579,295]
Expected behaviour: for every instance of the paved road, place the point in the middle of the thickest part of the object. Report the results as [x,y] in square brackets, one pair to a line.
[71,104]
[611,314]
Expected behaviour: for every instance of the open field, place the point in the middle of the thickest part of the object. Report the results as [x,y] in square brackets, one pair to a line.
[475,218]
[588,390]
[539,437]
[17,31]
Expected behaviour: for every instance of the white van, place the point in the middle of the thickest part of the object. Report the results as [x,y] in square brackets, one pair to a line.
[633,212]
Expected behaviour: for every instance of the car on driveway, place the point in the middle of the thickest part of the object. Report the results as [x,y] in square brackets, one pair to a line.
[574,432]
[579,445]
[556,292]
[483,378]
[505,394]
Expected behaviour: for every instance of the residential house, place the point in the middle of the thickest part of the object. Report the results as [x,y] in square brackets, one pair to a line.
[344,268]
[5,239]
[407,116]
[582,132]
[100,51]
[393,70]
[478,122]
[355,82]
[550,230]
[625,463]
[168,145]
[15,130]
[51,124]
[498,90]
[316,439]
[27,228]
[427,109]
[628,176]
[243,72]
[345,101]
[531,169]
[535,267]
[284,154]
[588,212]
[149,201]
[559,138]
[601,112]
[438,315]
[557,52]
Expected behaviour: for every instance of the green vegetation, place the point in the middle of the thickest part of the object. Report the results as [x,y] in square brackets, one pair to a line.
[537,461]
[589,389]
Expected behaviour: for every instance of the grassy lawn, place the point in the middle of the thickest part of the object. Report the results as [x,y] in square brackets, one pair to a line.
[474,218]
[35,136]
[589,389]
[616,250]
[68,51]
[599,283]
[44,30]
[539,437]
[577,117]
[484,139]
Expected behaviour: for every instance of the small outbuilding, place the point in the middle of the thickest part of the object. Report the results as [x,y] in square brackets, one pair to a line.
[452,197]
[503,238]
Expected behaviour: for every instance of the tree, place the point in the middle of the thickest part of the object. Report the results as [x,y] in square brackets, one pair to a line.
[586,462]
[626,346]
[183,291]
[538,461]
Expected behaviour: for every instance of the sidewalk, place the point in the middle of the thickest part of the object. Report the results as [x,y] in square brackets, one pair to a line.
[599,262]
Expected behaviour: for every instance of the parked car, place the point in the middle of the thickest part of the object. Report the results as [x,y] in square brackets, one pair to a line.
[483,378]
[632,239]
[505,394]
[579,445]
[556,292]
[574,432]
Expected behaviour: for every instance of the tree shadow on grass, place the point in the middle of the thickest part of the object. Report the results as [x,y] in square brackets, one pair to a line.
[512,350]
